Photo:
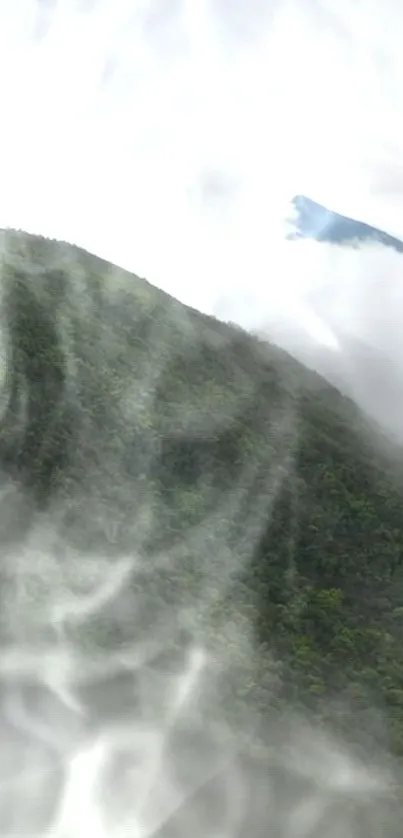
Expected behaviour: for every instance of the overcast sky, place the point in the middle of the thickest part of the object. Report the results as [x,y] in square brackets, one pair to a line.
[169,135]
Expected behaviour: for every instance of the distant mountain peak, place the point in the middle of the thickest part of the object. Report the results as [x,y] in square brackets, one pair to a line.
[314,221]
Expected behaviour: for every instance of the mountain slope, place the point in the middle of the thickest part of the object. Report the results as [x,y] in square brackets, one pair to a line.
[242,486]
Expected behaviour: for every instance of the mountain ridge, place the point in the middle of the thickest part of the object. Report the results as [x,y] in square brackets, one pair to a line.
[245,484]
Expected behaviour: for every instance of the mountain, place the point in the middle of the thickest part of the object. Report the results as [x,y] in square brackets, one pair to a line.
[316,222]
[230,490]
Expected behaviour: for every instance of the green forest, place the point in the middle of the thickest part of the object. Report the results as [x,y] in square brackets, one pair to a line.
[268,486]
[317,525]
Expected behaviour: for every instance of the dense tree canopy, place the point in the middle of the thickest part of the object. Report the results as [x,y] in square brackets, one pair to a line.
[256,491]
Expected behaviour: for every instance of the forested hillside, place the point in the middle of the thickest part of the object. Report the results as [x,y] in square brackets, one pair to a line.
[254,490]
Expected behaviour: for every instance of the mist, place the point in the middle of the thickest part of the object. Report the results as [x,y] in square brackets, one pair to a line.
[169,138]
[158,136]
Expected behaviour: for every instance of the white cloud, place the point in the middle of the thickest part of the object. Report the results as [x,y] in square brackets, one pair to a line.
[116,114]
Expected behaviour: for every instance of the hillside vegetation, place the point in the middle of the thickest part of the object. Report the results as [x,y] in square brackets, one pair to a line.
[254,489]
